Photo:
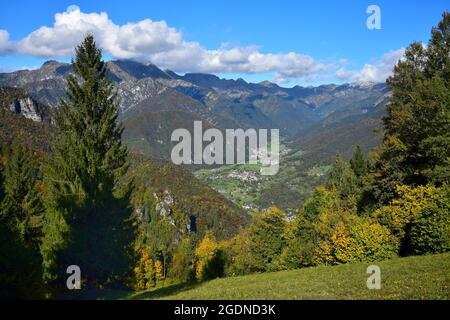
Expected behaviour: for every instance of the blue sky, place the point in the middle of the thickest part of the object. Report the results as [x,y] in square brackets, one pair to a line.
[290,42]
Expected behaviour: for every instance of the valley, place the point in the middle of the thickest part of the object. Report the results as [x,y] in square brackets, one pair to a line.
[315,123]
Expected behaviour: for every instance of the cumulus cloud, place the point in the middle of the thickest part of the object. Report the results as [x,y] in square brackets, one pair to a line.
[155,42]
[375,72]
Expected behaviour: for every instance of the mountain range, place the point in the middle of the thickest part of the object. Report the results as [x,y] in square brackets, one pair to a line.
[315,122]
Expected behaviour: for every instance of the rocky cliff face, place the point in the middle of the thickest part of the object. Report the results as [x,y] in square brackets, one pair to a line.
[23,118]
[19,102]
[26,107]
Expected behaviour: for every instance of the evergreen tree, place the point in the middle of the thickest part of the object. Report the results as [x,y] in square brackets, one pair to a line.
[22,206]
[358,162]
[88,214]
[416,145]
[342,178]
[2,179]
[20,266]
[20,262]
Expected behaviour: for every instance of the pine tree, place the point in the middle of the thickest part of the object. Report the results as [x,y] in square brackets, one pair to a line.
[416,145]
[88,214]
[358,162]
[22,206]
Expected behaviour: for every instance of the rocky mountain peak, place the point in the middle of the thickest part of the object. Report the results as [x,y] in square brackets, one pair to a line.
[173,74]
[138,70]
[267,84]
[50,63]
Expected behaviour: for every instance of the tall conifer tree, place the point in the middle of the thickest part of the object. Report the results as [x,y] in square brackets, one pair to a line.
[88,215]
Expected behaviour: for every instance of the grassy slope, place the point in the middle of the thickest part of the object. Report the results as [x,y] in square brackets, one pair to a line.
[426,277]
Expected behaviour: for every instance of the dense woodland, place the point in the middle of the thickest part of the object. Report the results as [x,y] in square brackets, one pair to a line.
[85,200]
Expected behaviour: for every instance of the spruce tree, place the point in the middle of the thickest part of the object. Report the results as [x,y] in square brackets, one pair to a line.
[88,214]
[20,261]
[342,178]
[22,204]
[358,162]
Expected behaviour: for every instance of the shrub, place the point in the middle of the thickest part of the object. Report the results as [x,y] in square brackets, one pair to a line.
[297,254]
[419,218]
[361,239]
[266,240]
[372,241]
[430,232]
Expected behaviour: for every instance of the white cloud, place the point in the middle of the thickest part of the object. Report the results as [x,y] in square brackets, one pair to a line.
[154,41]
[4,41]
[375,72]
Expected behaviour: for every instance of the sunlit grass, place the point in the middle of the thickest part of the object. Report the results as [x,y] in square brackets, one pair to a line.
[425,277]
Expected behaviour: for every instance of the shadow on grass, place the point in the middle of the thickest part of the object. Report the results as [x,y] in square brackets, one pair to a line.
[163,291]
[114,294]
[93,294]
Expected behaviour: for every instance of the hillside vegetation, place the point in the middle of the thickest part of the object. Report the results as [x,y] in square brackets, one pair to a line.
[425,277]
[175,193]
